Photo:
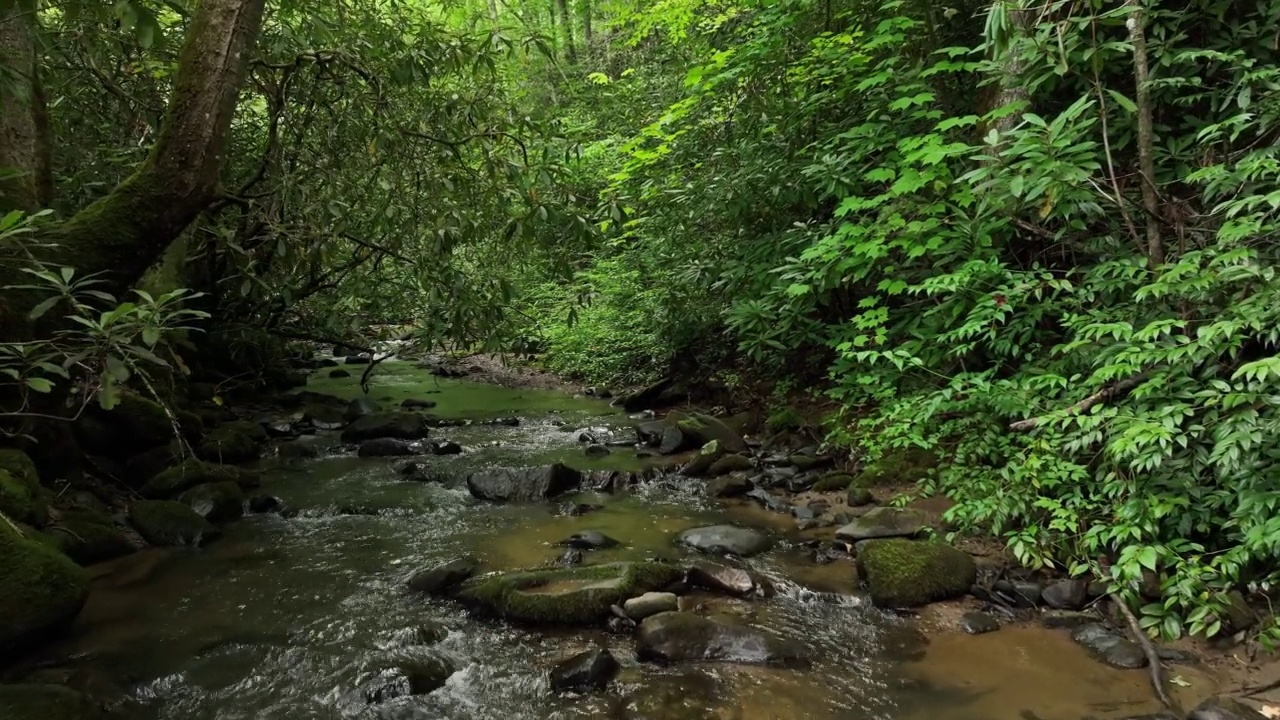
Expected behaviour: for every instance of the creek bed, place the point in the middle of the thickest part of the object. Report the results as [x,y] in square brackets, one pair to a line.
[286,618]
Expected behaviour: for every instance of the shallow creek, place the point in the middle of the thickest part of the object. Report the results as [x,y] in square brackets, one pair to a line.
[284,618]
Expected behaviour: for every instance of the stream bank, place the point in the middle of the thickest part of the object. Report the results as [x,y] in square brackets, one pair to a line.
[308,612]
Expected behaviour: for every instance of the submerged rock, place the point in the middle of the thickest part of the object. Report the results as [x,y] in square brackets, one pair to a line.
[417,676]
[445,447]
[168,523]
[387,447]
[726,540]
[263,503]
[768,501]
[595,451]
[909,573]
[41,590]
[1109,647]
[589,540]
[443,578]
[586,671]
[339,373]
[34,701]
[570,596]
[215,502]
[883,522]
[523,484]
[681,637]
[402,425]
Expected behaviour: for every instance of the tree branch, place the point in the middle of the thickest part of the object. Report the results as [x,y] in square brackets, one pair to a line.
[1110,392]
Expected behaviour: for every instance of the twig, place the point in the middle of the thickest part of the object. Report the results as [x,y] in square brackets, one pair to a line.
[1153,658]
[1111,391]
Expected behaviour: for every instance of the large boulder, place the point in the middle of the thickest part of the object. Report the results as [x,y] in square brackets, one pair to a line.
[586,671]
[523,484]
[169,523]
[883,522]
[701,429]
[684,637]
[907,573]
[441,579]
[191,472]
[409,676]
[89,537]
[134,425]
[41,590]
[216,502]
[234,442]
[402,425]
[360,407]
[726,540]
[729,464]
[650,603]
[571,596]
[21,496]
[35,701]
[721,578]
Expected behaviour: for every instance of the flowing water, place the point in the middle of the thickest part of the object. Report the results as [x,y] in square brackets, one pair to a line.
[284,618]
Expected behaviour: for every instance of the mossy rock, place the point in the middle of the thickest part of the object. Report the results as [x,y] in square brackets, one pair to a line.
[169,523]
[216,502]
[89,537]
[41,590]
[134,425]
[729,464]
[191,472]
[910,573]
[254,431]
[784,419]
[702,462]
[833,482]
[701,429]
[20,502]
[229,444]
[903,465]
[569,596]
[21,467]
[32,701]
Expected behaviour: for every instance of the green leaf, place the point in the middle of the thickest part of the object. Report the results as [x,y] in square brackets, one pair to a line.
[40,385]
[44,307]
[1149,558]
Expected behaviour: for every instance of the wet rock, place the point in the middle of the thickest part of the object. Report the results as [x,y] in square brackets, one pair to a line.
[216,502]
[883,522]
[445,447]
[650,433]
[586,671]
[89,537]
[702,462]
[339,373]
[35,701]
[581,509]
[1022,593]
[428,633]
[388,447]
[729,487]
[523,484]
[416,676]
[595,451]
[620,626]
[322,416]
[721,578]
[191,472]
[1066,594]
[278,429]
[165,523]
[417,404]
[230,444]
[423,472]
[1237,615]
[977,623]
[504,422]
[357,360]
[726,540]
[674,441]
[441,579]
[1109,647]
[664,392]
[1066,619]
[401,425]
[571,557]
[768,501]
[262,503]
[859,496]
[589,540]
[908,573]
[729,464]
[359,408]
[833,482]
[569,596]
[650,603]
[1224,708]
[41,590]
[700,429]
[683,637]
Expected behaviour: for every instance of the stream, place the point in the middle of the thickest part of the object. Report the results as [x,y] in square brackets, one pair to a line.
[285,617]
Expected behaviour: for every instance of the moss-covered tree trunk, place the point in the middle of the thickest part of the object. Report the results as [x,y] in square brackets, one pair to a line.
[26,183]
[121,235]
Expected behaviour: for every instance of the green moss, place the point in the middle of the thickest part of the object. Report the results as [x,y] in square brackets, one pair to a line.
[570,596]
[41,590]
[17,501]
[909,573]
[192,472]
[31,701]
[908,465]
[88,537]
[21,467]
[833,481]
[216,502]
[145,420]
[784,419]
[230,444]
[166,523]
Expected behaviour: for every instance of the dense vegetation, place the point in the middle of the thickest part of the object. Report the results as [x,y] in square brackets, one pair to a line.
[1035,241]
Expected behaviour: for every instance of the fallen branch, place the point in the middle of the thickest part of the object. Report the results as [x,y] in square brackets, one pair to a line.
[1108,393]
[1153,658]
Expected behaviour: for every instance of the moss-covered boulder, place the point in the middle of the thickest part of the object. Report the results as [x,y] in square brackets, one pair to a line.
[702,462]
[191,472]
[170,523]
[89,537]
[729,464]
[41,590]
[21,501]
[903,465]
[20,466]
[884,522]
[570,596]
[909,573]
[216,502]
[228,445]
[833,482]
[32,701]
[701,429]
[134,425]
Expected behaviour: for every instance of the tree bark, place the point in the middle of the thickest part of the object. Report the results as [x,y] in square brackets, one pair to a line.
[27,182]
[1012,87]
[588,33]
[566,26]
[1146,133]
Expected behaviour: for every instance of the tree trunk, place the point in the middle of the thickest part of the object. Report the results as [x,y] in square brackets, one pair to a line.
[588,34]
[566,26]
[1012,87]
[27,183]
[1146,133]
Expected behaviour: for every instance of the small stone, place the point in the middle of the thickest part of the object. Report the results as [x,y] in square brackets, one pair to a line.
[859,496]
[339,373]
[571,557]
[650,603]
[445,447]
[721,578]
[442,578]
[977,623]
